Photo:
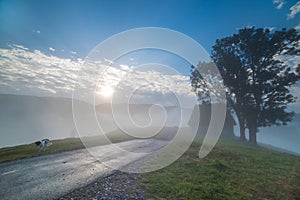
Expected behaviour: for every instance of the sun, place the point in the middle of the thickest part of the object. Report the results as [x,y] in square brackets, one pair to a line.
[106,91]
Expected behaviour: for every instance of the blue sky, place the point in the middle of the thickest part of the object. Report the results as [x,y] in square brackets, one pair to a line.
[78,26]
[42,42]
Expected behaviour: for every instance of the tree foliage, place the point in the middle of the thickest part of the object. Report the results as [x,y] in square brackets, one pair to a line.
[253,67]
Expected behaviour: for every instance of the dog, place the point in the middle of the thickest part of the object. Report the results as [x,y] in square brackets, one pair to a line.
[43,144]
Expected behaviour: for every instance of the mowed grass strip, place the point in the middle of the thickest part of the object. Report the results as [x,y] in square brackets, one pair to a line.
[30,150]
[233,170]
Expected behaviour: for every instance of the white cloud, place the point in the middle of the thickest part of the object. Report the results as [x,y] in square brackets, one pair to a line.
[147,86]
[146,81]
[295,9]
[51,49]
[36,31]
[270,28]
[73,52]
[297,27]
[33,72]
[109,62]
[20,47]
[125,67]
[278,3]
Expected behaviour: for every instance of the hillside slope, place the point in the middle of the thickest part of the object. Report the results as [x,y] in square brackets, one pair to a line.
[232,170]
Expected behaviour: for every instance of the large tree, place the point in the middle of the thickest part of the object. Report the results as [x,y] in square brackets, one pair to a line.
[252,66]
[257,78]
[203,86]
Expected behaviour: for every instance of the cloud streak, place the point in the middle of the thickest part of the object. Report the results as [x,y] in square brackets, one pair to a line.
[294,10]
[278,3]
[36,31]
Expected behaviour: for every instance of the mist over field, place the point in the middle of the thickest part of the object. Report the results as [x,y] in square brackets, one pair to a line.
[286,137]
[25,119]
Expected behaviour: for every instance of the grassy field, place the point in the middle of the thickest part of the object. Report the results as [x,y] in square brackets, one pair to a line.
[231,171]
[30,150]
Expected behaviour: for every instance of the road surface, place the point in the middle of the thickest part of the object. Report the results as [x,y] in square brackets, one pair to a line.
[51,176]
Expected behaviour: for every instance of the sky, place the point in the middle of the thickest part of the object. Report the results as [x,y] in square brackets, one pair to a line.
[62,28]
[43,43]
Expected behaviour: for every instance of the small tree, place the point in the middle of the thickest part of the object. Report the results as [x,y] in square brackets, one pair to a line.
[257,79]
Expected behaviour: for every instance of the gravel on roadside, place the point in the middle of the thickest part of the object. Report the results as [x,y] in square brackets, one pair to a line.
[119,185]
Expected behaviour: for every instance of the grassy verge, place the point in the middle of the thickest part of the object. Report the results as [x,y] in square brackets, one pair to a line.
[30,150]
[231,171]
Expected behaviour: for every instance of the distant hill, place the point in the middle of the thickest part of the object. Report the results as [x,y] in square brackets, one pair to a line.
[24,119]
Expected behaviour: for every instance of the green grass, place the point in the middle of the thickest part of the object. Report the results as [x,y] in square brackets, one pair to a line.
[231,171]
[30,150]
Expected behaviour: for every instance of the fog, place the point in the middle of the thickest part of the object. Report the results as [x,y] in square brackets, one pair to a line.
[285,138]
[25,119]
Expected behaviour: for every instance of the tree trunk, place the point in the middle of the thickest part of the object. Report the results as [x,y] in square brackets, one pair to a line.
[242,127]
[252,134]
[242,132]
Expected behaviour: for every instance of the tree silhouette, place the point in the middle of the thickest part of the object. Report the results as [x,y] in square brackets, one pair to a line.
[257,78]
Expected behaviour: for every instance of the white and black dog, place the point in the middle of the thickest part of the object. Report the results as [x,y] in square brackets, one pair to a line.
[43,144]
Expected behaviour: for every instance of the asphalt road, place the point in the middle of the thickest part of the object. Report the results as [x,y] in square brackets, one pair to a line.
[51,176]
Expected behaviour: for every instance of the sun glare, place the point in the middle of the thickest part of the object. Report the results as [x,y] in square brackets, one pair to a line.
[106,91]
